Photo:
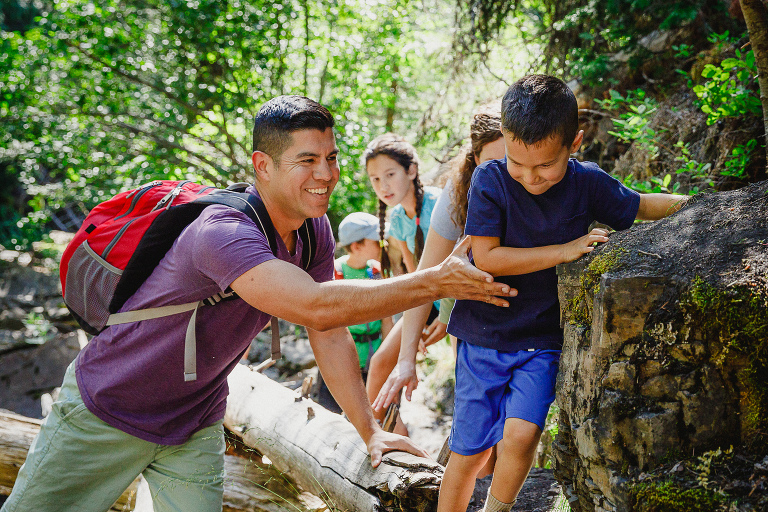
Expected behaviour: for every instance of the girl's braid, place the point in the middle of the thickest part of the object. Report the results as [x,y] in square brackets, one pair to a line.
[419,192]
[386,265]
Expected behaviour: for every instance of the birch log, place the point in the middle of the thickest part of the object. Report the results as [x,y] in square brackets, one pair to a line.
[322,452]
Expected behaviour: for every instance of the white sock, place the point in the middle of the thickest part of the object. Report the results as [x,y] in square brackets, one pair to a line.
[494,505]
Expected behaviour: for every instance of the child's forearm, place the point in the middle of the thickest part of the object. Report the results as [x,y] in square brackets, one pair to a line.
[386,326]
[658,206]
[413,325]
[509,261]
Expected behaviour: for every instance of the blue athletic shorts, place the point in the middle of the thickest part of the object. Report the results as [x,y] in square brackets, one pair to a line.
[492,386]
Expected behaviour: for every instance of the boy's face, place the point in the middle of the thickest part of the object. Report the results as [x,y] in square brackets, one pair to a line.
[541,166]
[370,249]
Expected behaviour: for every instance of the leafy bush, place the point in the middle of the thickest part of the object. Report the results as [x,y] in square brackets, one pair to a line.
[730,88]
[698,171]
[741,156]
[632,126]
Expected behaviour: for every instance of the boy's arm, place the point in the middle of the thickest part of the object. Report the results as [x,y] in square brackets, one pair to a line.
[658,206]
[492,257]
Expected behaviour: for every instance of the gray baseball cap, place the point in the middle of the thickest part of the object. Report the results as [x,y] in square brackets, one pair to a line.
[357,226]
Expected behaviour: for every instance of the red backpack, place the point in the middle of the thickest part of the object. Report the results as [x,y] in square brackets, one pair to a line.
[123,239]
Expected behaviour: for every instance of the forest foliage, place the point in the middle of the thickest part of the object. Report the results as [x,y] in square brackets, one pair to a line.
[98,97]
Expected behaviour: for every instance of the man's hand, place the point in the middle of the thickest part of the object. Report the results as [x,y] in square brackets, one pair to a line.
[403,375]
[382,442]
[575,249]
[459,279]
[432,333]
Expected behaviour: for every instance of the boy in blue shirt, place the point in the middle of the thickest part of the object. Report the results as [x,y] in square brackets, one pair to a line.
[526,214]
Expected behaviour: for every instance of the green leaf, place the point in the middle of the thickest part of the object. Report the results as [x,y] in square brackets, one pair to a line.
[709,71]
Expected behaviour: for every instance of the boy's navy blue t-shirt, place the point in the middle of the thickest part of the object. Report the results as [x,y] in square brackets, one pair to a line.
[500,207]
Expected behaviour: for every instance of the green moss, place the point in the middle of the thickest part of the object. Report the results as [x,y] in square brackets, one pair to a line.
[738,317]
[666,496]
[580,307]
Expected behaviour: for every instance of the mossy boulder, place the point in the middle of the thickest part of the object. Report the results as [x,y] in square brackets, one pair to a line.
[666,354]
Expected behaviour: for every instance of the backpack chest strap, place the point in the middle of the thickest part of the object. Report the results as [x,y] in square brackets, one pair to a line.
[190,338]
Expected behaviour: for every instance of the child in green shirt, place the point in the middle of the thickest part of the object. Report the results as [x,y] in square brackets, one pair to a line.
[359,235]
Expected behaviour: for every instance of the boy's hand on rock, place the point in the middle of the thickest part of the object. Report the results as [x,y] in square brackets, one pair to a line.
[575,249]
[459,279]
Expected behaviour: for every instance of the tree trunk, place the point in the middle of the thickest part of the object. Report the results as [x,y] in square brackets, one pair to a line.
[756,17]
[249,486]
[393,101]
[307,51]
[322,452]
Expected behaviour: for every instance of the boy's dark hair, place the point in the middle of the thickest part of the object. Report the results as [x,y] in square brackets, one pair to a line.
[281,116]
[537,107]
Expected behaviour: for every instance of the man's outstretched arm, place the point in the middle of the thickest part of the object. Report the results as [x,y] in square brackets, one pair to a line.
[284,290]
[337,359]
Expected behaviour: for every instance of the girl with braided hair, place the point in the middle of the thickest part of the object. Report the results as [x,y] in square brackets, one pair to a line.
[393,168]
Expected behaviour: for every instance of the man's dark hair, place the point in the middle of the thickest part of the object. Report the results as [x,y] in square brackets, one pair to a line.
[537,107]
[281,116]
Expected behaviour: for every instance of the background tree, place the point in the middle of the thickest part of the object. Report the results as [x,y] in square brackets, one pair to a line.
[756,17]
[99,97]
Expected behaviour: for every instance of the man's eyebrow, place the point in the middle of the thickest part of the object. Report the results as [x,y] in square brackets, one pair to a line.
[305,154]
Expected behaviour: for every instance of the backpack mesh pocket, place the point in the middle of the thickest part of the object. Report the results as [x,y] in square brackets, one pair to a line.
[97,279]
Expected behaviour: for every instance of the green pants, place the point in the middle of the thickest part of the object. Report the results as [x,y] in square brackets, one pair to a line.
[79,463]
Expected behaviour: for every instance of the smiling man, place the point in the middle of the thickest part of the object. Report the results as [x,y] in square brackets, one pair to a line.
[125,408]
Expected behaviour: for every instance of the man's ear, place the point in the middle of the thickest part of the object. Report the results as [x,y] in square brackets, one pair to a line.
[262,165]
[577,142]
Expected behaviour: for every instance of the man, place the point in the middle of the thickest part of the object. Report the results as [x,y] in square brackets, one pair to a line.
[125,408]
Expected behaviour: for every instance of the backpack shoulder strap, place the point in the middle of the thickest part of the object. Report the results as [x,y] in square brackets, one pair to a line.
[253,206]
[308,243]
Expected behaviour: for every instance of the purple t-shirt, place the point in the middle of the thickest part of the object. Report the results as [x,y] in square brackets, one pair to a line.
[132,375]
[500,207]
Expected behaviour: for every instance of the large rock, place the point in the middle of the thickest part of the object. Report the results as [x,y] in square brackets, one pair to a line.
[664,352]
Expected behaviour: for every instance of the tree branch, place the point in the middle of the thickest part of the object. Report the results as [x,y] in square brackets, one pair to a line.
[137,80]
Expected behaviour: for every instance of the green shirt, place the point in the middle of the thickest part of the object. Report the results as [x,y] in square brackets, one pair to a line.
[360,273]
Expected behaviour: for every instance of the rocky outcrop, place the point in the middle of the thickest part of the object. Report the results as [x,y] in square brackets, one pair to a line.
[664,357]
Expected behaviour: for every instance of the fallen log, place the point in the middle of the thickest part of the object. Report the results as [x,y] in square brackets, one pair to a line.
[322,452]
[249,485]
